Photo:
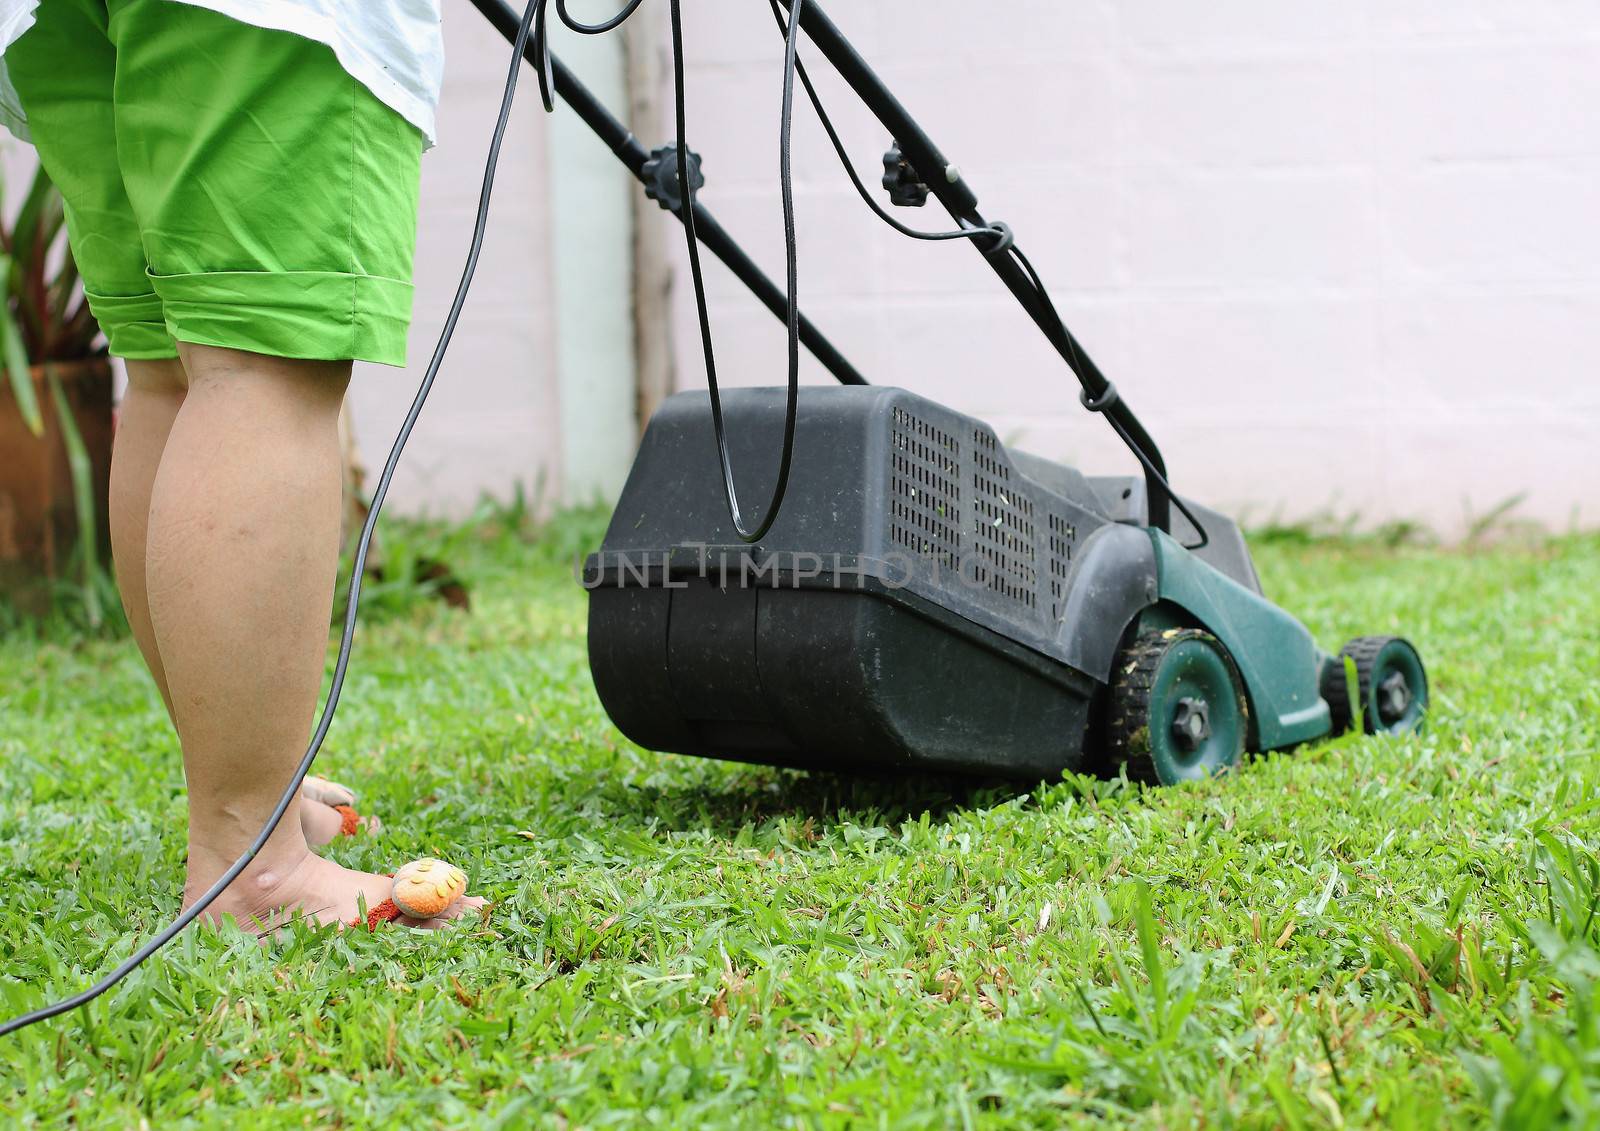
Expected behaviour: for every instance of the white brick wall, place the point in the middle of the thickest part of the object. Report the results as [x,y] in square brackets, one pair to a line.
[1341,257]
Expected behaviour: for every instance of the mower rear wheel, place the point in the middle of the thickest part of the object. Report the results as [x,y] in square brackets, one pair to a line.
[1177,710]
[1392,685]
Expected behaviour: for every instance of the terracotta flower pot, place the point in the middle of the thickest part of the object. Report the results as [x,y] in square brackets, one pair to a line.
[38,517]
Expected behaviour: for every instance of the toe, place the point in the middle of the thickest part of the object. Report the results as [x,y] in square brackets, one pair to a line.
[324,823]
[327,792]
[321,823]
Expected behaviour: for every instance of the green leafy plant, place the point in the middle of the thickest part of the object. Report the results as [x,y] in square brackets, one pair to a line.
[46,318]
[46,315]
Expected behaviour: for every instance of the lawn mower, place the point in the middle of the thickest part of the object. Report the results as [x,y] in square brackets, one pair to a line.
[927,599]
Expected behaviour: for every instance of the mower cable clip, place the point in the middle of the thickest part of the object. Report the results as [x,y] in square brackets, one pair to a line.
[1104,401]
[1003,238]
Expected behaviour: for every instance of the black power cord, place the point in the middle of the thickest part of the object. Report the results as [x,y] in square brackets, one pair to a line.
[1105,400]
[342,664]
[792,321]
[532,24]
[850,170]
[692,240]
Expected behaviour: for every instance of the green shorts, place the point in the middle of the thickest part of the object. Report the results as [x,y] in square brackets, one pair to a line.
[225,185]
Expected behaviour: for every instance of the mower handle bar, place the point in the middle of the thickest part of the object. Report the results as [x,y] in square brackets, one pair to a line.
[943,179]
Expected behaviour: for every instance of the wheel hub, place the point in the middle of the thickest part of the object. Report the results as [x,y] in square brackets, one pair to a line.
[1191,723]
[1394,697]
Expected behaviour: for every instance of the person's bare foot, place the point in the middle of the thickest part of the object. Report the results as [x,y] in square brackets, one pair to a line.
[317,890]
[320,817]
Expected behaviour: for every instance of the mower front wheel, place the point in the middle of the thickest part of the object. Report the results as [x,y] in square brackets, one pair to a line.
[1391,684]
[1177,710]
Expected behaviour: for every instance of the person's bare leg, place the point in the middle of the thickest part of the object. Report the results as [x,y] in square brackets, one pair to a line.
[241,555]
[155,394]
[150,405]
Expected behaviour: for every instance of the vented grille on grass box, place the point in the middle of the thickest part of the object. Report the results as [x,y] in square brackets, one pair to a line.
[886,485]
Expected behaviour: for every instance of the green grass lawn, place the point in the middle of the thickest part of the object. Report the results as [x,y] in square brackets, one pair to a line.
[1364,932]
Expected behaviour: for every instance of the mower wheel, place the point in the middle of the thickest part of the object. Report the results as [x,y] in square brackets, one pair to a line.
[1393,686]
[1177,710]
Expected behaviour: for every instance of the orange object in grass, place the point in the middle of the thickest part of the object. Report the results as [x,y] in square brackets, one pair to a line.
[424,888]
[349,820]
[385,912]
